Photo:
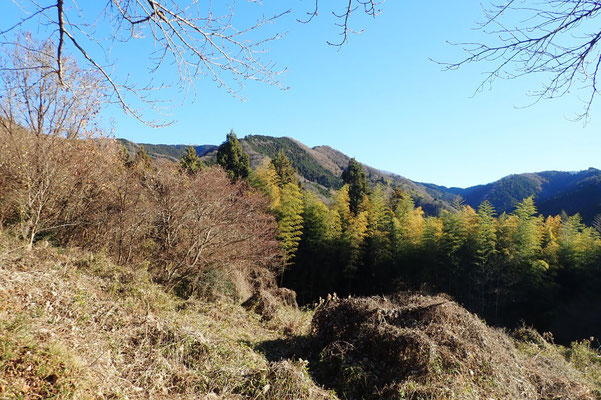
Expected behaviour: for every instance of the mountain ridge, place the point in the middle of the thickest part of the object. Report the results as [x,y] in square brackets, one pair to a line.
[320,169]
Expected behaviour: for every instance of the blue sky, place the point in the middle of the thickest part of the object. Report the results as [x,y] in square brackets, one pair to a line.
[382,100]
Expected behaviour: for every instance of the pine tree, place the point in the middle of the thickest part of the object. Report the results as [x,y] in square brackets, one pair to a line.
[354,177]
[190,162]
[232,158]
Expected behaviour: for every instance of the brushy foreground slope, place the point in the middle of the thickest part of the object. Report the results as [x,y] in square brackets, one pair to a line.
[73,325]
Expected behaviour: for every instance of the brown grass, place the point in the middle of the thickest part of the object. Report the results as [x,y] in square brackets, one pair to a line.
[74,325]
[421,347]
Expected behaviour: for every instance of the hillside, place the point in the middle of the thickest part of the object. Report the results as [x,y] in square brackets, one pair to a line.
[75,325]
[128,279]
[553,191]
[172,152]
[320,169]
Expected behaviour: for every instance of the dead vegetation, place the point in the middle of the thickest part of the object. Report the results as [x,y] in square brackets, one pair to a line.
[420,347]
[74,325]
[142,299]
[201,235]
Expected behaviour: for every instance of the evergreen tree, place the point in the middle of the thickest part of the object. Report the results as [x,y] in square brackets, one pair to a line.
[123,155]
[142,158]
[190,162]
[232,158]
[284,170]
[354,177]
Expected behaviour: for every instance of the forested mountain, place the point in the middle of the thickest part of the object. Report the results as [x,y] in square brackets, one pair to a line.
[170,271]
[174,152]
[320,169]
[553,191]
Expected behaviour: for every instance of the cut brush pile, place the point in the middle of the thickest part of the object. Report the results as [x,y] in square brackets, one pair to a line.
[422,347]
[73,325]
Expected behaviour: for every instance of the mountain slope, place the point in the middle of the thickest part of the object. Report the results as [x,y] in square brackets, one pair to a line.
[553,191]
[173,152]
[320,169]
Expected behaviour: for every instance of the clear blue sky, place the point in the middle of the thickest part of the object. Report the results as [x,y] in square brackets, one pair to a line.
[383,101]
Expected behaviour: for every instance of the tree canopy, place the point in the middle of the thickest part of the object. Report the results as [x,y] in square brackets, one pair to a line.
[354,176]
[232,157]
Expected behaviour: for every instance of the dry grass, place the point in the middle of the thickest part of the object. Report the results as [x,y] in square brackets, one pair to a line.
[421,347]
[73,325]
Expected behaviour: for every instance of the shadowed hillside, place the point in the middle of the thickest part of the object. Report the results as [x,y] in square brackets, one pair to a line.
[553,191]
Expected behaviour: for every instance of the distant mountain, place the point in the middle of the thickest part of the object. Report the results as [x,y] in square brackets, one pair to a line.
[172,152]
[553,192]
[320,169]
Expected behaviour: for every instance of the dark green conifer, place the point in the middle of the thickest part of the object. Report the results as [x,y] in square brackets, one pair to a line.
[354,176]
[142,158]
[232,158]
[190,163]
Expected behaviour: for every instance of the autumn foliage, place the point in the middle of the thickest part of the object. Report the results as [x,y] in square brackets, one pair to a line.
[87,193]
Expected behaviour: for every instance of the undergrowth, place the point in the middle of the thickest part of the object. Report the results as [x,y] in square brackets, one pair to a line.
[74,325]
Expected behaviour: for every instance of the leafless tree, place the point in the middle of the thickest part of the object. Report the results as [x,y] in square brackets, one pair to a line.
[343,15]
[42,159]
[190,35]
[558,39]
[197,38]
[34,97]
[205,222]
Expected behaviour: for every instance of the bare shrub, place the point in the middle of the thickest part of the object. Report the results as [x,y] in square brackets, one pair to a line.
[50,177]
[205,222]
[51,185]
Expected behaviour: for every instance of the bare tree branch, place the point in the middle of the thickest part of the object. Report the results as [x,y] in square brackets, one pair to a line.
[187,34]
[558,39]
[195,37]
